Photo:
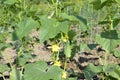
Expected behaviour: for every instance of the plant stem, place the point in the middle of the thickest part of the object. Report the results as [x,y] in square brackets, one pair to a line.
[55,4]
[100,60]
[56,7]
[103,76]
[21,73]
[65,64]
[105,56]
[3,77]
[24,5]
[20,51]
[57,56]
[111,23]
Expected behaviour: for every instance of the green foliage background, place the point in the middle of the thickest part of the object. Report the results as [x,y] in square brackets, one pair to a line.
[93,21]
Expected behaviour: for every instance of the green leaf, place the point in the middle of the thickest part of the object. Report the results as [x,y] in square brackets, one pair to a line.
[24,28]
[112,70]
[112,34]
[67,50]
[3,68]
[79,19]
[51,27]
[40,71]
[69,17]
[92,46]
[15,74]
[104,22]
[118,1]
[109,68]
[117,53]
[10,2]
[91,70]
[116,22]
[72,78]
[82,20]
[102,1]
[96,4]
[83,47]
[108,40]
[2,46]
[116,72]
[21,60]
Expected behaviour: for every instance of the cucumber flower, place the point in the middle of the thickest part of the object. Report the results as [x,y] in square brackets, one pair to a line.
[55,48]
[64,75]
[65,38]
[57,63]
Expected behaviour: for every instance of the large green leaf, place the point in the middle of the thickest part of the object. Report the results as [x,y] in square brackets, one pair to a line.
[3,68]
[22,59]
[91,70]
[116,72]
[69,17]
[109,68]
[40,71]
[108,40]
[24,28]
[112,70]
[51,27]
[82,21]
[118,1]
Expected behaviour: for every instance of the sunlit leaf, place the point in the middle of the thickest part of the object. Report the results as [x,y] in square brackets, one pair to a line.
[3,68]
[118,1]
[109,68]
[21,60]
[51,27]
[116,73]
[79,19]
[91,70]
[103,1]
[69,17]
[24,28]
[83,47]
[40,71]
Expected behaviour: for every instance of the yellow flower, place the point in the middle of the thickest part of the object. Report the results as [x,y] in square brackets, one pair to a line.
[65,38]
[64,75]
[57,63]
[55,48]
